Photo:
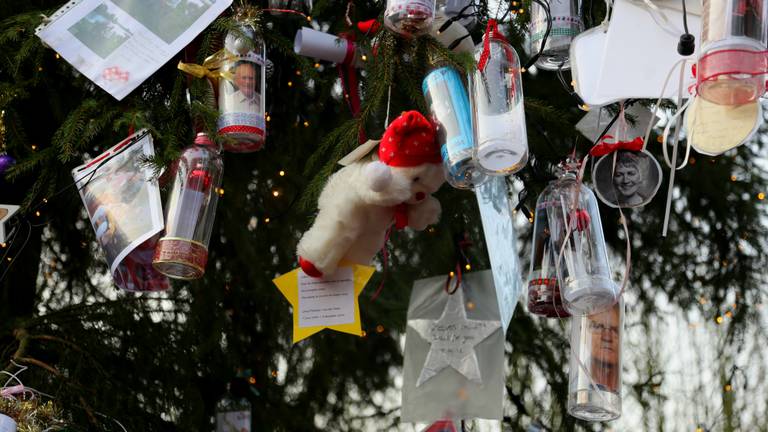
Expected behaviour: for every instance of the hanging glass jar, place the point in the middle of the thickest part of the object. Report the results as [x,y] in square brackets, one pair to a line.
[242,91]
[183,251]
[566,25]
[543,289]
[594,382]
[450,112]
[501,143]
[732,60]
[409,17]
[583,272]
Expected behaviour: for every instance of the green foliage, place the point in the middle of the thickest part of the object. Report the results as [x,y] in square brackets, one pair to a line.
[160,362]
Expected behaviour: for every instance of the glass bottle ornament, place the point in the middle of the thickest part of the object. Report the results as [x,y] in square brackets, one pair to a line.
[183,251]
[242,89]
[450,113]
[566,25]
[409,17]
[577,241]
[733,59]
[233,412]
[501,143]
[543,288]
[594,379]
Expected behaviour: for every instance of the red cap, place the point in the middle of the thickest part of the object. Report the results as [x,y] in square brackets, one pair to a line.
[409,141]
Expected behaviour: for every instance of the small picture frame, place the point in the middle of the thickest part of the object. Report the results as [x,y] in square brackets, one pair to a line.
[627,179]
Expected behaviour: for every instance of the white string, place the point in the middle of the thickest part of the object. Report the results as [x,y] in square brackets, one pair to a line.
[678,124]
[389,99]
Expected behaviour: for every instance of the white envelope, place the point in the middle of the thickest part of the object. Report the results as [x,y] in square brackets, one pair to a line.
[633,58]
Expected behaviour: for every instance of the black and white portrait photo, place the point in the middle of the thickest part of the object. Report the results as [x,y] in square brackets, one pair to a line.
[632,181]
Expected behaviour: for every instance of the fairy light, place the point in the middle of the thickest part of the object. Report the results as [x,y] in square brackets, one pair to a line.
[468,267]
[37,213]
[45,200]
[364,57]
[728,387]
[761,196]
[309,18]
[275,193]
[40,69]
[9,259]
[266,220]
[451,274]
[34,147]
[290,83]
[2,245]
[729,314]
[379,328]
[470,305]
[274,374]
[220,191]
[298,72]
[252,380]
[269,117]
[719,320]
[521,10]
[306,123]
[733,178]
[57,56]
[363,334]
[282,173]
[317,65]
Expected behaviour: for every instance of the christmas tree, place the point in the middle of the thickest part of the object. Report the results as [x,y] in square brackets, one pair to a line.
[162,361]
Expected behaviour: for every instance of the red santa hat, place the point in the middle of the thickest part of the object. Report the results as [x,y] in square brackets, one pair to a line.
[409,141]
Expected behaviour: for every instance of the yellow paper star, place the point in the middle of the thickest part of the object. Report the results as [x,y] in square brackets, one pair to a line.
[288,284]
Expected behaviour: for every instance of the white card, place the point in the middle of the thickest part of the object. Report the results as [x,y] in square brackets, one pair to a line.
[118,44]
[501,240]
[326,301]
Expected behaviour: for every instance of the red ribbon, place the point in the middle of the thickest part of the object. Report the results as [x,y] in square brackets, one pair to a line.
[606,147]
[401,216]
[491,32]
[349,82]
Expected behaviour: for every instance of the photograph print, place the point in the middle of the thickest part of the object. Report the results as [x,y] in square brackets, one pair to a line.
[100,31]
[167,19]
[632,182]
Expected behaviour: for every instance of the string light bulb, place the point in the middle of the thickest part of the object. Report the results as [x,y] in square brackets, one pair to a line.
[306,123]
[719,320]
[275,193]
[282,173]
[761,196]
[468,267]
[290,83]
[379,328]
[317,65]
[266,220]
[364,57]
[728,387]
[252,380]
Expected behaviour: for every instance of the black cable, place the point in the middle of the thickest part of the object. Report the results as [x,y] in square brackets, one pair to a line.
[687,44]
[533,59]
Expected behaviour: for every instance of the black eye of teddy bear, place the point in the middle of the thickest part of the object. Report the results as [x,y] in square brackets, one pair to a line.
[415,179]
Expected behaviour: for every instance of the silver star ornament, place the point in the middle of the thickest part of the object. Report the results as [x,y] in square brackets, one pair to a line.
[452,339]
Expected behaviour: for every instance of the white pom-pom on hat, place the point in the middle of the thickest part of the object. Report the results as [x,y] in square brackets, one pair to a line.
[378,175]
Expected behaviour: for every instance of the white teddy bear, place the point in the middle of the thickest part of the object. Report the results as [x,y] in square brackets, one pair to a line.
[363,200]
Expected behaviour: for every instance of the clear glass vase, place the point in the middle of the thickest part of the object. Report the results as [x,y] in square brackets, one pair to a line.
[450,112]
[501,143]
[242,91]
[566,25]
[182,252]
[583,272]
[594,381]
[732,60]
[409,17]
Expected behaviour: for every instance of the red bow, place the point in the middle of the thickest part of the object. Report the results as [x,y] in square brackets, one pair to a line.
[606,147]
[491,31]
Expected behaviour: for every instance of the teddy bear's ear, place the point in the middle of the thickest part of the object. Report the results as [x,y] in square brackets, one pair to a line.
[359,153]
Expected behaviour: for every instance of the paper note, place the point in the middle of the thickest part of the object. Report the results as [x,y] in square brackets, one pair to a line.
[501,239]
[328,300]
